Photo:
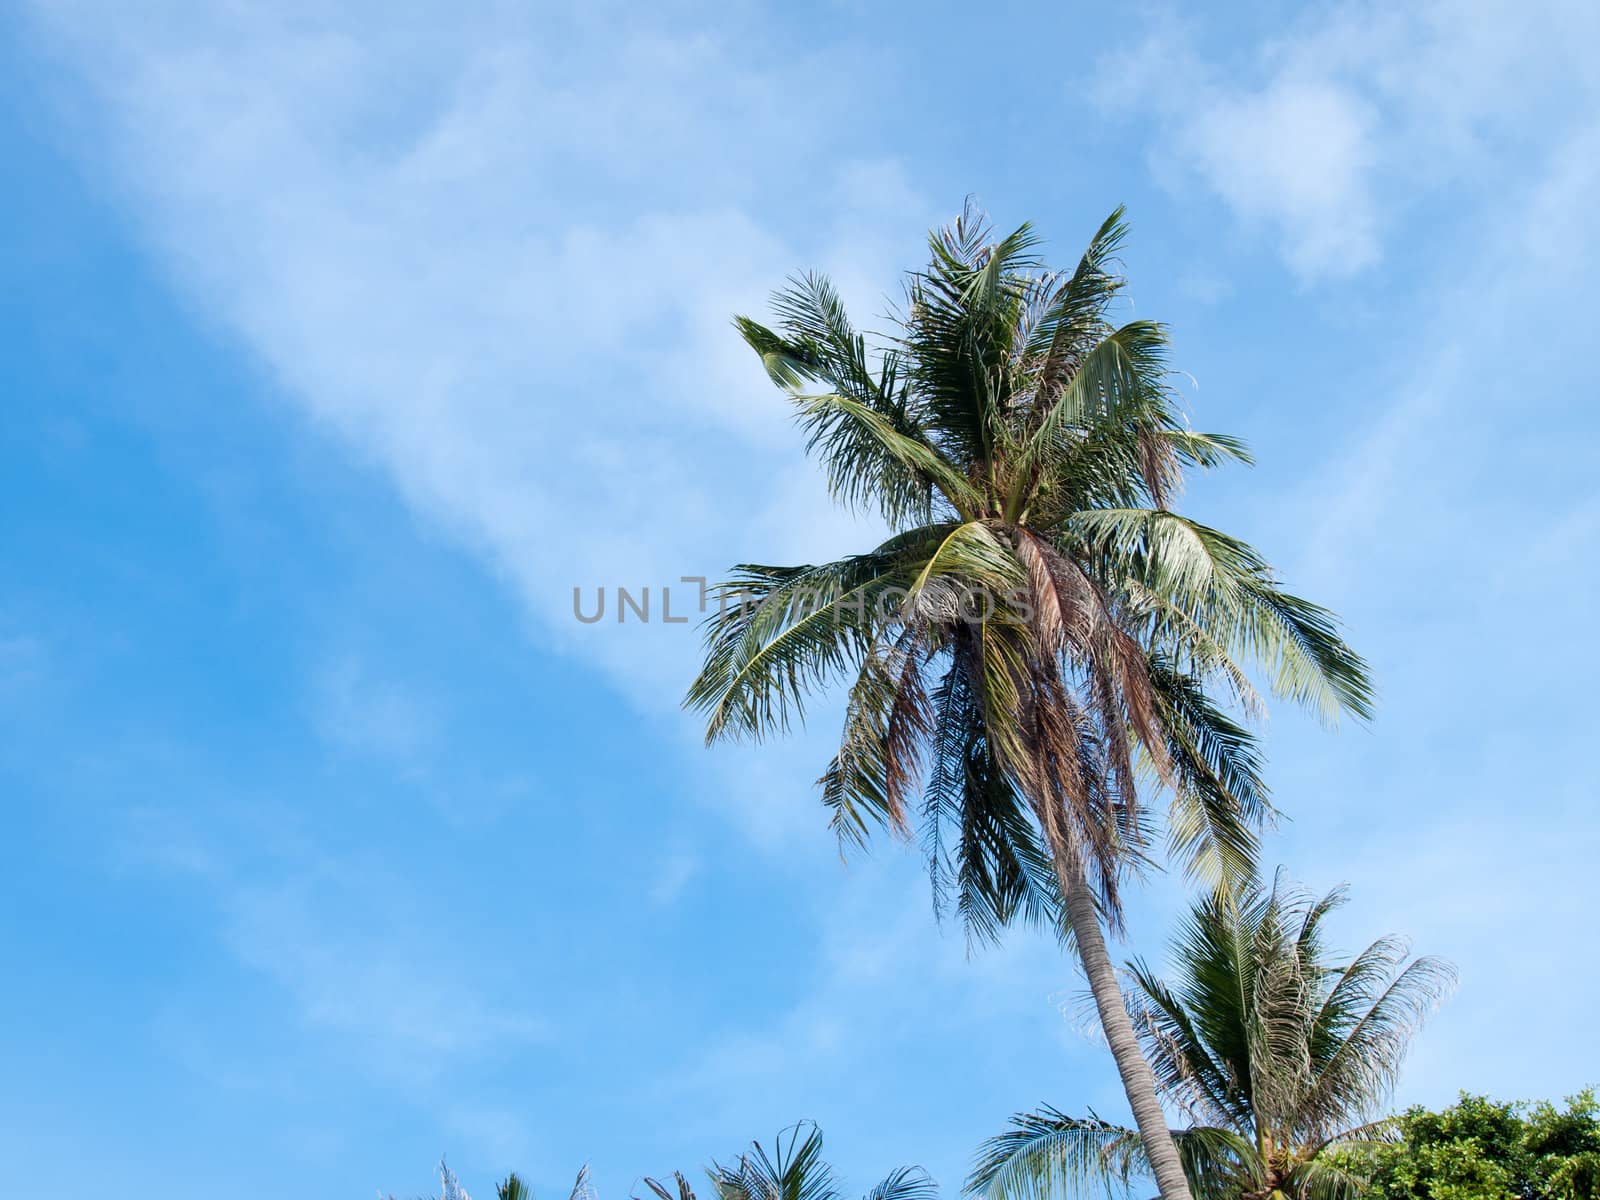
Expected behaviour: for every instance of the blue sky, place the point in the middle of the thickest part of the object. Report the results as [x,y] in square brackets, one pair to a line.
[341,342]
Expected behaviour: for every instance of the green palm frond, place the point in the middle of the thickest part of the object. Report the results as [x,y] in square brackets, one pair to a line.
[1324,1178]
[905,1183]
[1208,450]
[1360,1033]
[868,460]
[970,563]
[1110,387]
[872,450]
[780,633]
[812,316]
[1221,799]
[996,869]
[795,1170]
[887,720]
[1048,1155]
[680,1189]
[1193,1076]
[1219,1164]
[1223,586]
[1074,311]
[513,1187]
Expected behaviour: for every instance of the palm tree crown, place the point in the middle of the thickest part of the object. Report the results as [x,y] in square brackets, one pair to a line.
[794,1170]
[1024,451]
[514,1187]
[1279,1057]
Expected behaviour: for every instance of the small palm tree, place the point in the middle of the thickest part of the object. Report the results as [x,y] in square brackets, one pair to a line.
[1280,1058]
[1041,628]
[794,1170]
[513,1187]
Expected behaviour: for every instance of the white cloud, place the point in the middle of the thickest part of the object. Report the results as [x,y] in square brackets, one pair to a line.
[344,940]
[883,984]
[1533,250]
[367,974]
[1312,183]
[1326,136]
[496,256]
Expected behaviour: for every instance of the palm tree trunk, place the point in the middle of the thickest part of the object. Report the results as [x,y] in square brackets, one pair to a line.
[1137,1081]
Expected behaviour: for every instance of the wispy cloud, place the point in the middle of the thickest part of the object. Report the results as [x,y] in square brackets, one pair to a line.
[343,940]
[882,988]
[1467,346]
[416,233]
[1328,135]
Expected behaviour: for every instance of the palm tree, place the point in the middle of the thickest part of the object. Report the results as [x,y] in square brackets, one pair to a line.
[1040,627]
[513,1187]
[794,1170]
[1280,1059]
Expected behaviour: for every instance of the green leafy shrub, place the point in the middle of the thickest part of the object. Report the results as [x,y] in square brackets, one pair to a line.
[1481,1149]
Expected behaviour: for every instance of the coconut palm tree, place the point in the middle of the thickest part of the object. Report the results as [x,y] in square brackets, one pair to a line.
[795,1170]
[513,1187]
[1281,1058]
[510,1188]
[1040,626]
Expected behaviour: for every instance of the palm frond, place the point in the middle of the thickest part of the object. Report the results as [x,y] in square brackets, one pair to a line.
[970,565]
[1206,450]
[1047,1155]
[449,1186]
[1219,1164]
[1221,800]
[794,1170]
[1075,315]
[996,870]
[1359,1053]
[1325,1177]
[1119,376]
[961,318]
[1225,587]
[1189,1074]
[879,762]
[873,452]
[905,1183]
[780,633]
[681,1190]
